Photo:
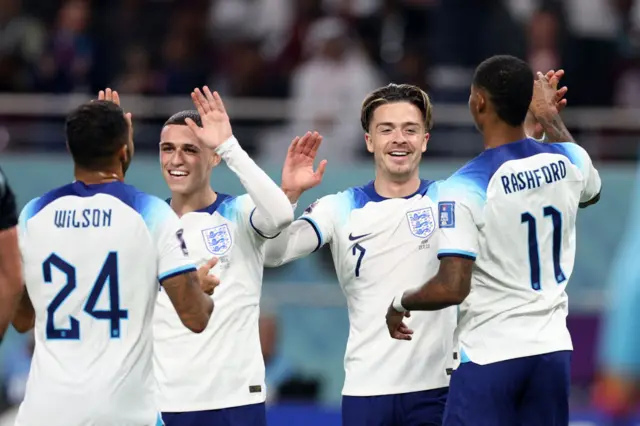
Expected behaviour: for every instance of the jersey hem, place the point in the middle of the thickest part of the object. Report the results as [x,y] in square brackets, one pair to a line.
[205,406]
[396,390]
[520,355]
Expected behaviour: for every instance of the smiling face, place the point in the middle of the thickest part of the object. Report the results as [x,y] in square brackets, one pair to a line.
[186,164]
[397,137]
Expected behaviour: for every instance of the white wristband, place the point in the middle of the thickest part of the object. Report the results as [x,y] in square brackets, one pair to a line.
[294,206]
[397,303]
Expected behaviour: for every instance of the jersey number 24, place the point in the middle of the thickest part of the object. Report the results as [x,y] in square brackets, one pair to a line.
[108,274]
[534,251]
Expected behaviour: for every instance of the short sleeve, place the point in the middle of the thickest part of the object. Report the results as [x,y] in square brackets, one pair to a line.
[320,215]
[581,159]
[459,212]
[8,210]
[167,231]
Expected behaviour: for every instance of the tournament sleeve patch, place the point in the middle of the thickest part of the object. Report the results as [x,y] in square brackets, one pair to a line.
[311,207]
[183,245]
[447,214]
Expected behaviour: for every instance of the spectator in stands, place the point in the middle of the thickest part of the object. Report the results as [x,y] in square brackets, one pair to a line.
[21,44]
[67,61]
[328,89]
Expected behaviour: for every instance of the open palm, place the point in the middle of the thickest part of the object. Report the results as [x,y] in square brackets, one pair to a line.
[297,173]
[540,103]
[216,127]
[112,96]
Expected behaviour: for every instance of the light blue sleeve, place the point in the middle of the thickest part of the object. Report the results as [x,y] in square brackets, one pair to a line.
[620,339]
[28,211]
[581,159]
[166,229]
[460,204]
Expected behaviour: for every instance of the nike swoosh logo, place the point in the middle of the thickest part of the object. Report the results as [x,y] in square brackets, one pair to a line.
[357,237]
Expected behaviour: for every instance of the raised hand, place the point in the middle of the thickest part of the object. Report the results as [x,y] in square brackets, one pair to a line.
[546,96]
[112,96]
[208,282]
[545,99]
[297,172]
[216,127]
[396,326]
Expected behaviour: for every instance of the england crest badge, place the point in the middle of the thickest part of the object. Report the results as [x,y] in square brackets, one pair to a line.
[217,239]
[421,222]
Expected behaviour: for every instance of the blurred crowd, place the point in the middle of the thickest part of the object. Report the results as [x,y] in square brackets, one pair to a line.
[275,48]
[323,55]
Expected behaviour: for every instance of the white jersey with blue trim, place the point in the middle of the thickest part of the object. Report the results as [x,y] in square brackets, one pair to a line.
[93,255]
[221,367]
[380,247]
[513,209]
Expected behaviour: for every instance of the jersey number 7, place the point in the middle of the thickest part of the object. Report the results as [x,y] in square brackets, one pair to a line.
[108,272]
[534,250]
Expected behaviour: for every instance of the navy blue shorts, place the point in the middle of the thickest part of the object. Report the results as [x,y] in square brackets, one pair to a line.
[530,391]
[254,414]
[424,408]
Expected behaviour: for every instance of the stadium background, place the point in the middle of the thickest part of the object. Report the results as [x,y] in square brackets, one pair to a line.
[287,66]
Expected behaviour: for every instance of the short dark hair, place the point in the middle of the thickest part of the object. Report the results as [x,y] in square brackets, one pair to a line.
[179,118]
[95,132]
[509,84]
[392,93]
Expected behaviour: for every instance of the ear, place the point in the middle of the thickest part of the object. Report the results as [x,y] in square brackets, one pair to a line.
[214,160]
[482,101]
[123,154]
[369,141]
[425,141]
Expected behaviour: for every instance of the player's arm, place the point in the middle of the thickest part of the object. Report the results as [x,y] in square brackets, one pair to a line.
[177,273]
[307,234]
[273,211]
[532,127]
[298,240]
[11,281]
[25,316]
[544,107]
[193,306]
[592,183]
[457,249]
[313,229]
[449,287]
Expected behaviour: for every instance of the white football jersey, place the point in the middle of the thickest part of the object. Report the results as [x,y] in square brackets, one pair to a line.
[513,209]
[93,255]
[381,246]
[222,366]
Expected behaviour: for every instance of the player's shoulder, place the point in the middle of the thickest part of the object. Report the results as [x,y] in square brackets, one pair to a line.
[225,205]
[360,196]
[331,201]
[576,154]
[475,176]
[147,205]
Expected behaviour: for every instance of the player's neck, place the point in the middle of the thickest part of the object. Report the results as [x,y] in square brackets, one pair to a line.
[388,188]
[187,203]
[502,134]
[94,177]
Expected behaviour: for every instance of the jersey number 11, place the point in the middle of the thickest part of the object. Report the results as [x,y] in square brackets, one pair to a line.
[534,250]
